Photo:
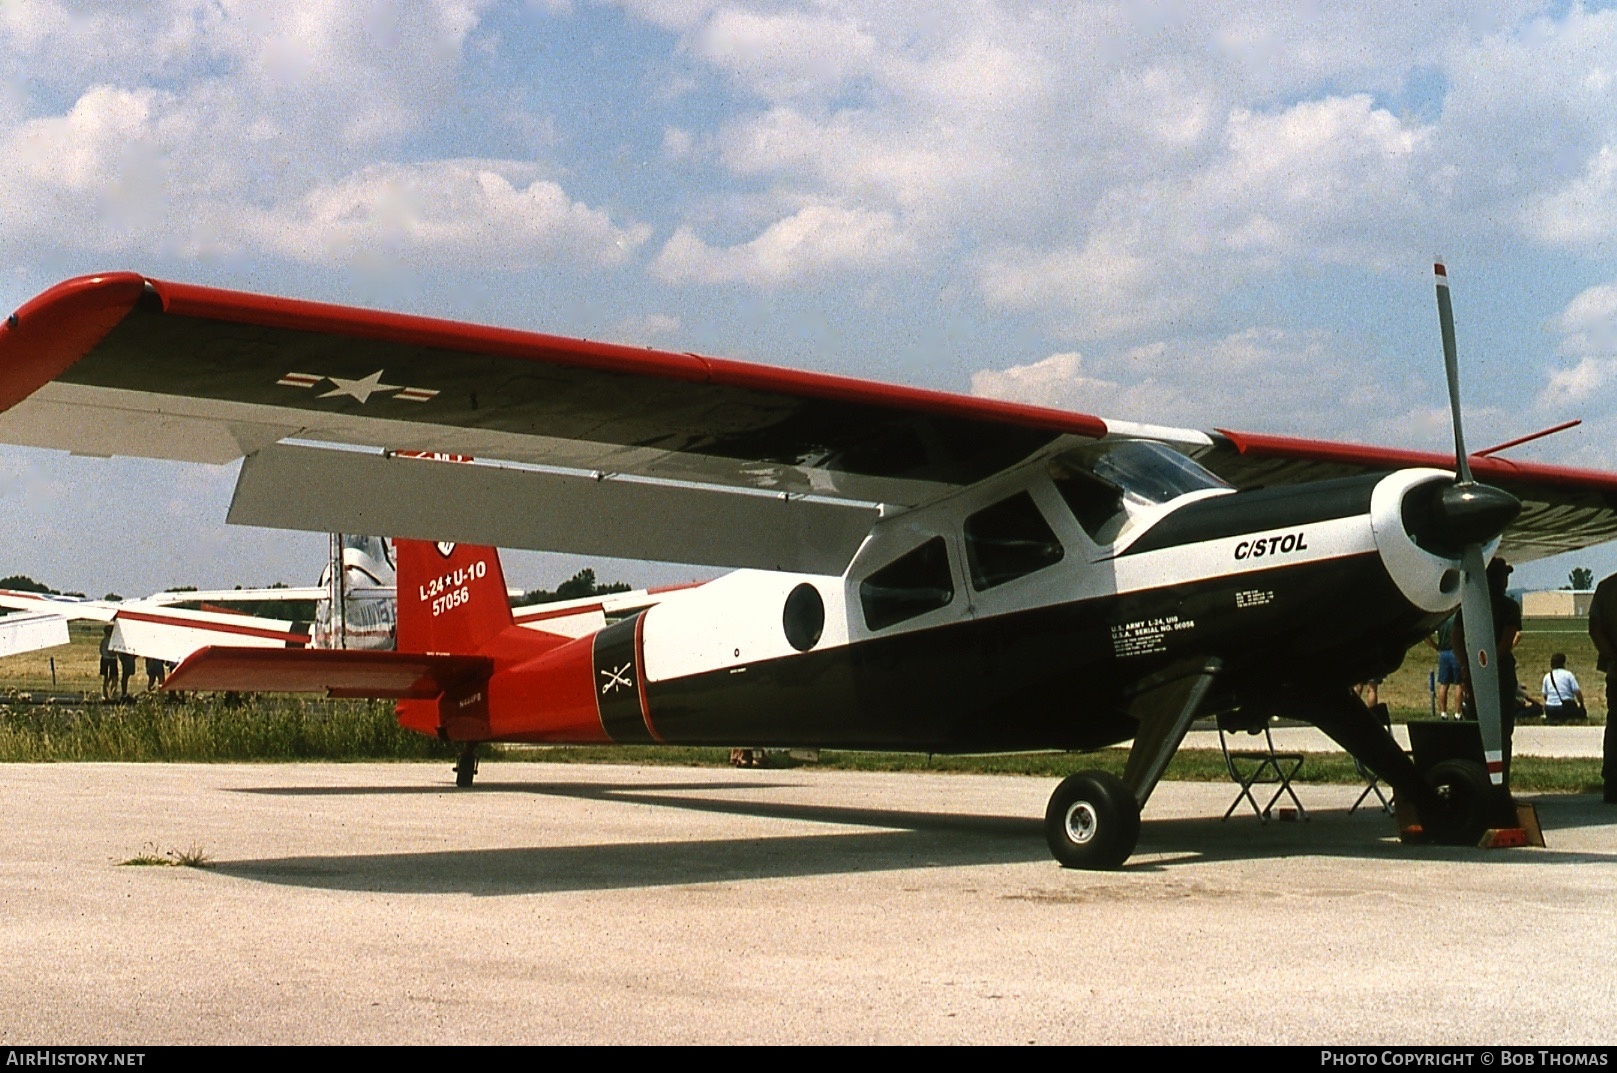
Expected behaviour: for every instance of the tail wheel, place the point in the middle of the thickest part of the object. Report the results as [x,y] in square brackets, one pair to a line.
[1468,801]
[1092,821]
[466,767]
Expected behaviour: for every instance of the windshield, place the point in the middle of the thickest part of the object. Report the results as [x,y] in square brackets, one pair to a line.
[1103,482]
[1143,469]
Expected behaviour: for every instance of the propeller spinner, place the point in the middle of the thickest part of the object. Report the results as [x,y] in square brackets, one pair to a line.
[1470,515]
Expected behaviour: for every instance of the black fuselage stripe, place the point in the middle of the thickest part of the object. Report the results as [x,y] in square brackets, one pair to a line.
[618,683]
[1055,676]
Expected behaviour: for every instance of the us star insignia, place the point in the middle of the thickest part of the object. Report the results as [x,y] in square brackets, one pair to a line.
[362,388]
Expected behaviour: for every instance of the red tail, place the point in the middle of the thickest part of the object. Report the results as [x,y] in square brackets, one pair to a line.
[452,597]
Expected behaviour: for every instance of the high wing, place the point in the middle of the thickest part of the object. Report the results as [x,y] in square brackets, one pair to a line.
[283,594]
[31,632]
[1562,509]
[583,447]
[155,630]
[75,608]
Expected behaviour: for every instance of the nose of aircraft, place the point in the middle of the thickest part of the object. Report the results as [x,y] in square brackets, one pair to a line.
[1446,518]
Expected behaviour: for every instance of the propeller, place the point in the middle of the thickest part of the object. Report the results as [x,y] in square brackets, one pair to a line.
[1469,515]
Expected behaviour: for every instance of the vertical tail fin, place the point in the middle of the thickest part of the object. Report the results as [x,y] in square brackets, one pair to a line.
[452,597]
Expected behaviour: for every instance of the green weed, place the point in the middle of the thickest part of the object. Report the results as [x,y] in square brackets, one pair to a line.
[151,855]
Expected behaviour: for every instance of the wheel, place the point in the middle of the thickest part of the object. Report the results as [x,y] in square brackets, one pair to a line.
[1468,802]
[1092,821]
[466,767]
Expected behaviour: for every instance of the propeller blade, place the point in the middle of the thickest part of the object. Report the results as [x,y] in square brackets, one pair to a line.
[1451,365]
[1476,610]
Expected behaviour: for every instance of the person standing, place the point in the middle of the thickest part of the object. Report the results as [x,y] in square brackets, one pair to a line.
[1448,670]
[1603,632]
[126,663]
[109,665]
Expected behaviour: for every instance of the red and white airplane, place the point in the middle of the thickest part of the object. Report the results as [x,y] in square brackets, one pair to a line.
[356,612]
[914,570]
[359,613]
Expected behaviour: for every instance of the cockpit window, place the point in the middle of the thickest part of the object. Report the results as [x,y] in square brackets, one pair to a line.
[1097,504]
[1152,471]
[1098,481]
[1009,540]
[913,584]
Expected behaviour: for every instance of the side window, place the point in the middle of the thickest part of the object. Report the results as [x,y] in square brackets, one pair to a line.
[913,584]
[1096,503]
[1009,540]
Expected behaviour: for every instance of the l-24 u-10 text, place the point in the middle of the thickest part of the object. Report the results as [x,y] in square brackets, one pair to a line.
[452,580]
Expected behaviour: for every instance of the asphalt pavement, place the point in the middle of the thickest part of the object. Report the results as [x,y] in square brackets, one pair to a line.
[374,903]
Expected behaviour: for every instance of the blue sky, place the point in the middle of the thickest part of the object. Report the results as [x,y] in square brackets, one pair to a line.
[1210,215]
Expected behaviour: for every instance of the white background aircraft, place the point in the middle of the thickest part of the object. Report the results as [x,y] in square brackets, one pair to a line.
[172,624]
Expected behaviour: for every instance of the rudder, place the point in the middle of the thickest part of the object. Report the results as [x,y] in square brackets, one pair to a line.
[452,597]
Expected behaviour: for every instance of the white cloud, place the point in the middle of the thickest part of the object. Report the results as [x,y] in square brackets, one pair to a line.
[1588,328]
[1528,125]
[1153,162]
[678,143]
[1301,383]
[98,176]
[460,214]
[1584,211]
[786,54]
[817,239]
[1111,286]
[359,70]
[1323,181]
[647,329]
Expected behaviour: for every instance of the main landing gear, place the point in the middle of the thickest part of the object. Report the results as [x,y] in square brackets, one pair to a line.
[1467,803]
[1092,821]
[466,766]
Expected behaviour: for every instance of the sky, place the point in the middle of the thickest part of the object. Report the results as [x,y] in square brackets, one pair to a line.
[1220,215]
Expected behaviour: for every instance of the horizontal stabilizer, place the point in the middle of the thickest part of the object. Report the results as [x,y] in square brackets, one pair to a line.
[339,673]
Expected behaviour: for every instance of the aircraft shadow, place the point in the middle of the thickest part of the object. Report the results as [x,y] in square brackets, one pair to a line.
[900,839]
[1365,834]
[617,866]
[894,840]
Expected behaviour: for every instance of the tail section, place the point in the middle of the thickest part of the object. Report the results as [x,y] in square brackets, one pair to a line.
[452,597]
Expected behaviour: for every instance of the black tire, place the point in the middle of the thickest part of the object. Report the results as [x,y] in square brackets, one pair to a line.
[466,769]
[1468,799]
[1092,821]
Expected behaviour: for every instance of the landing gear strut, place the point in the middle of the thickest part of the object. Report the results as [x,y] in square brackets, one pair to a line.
[1092,821]
[466,766]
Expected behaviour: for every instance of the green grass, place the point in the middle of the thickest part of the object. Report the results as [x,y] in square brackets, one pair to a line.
[208,727]
[286,729]
[1407,695]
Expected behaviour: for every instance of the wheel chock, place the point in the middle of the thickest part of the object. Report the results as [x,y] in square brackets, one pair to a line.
[1410,829]
[1502,838]
[1527,832]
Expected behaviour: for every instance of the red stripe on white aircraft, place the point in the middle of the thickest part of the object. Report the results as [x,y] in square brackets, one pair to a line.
[291,638]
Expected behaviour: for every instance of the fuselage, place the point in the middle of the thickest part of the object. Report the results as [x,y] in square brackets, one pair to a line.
[1023,613]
